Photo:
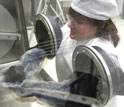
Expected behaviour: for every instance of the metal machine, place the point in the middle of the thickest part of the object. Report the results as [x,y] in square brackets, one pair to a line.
[14,40]
[13,34]
[13,43]
[100,72]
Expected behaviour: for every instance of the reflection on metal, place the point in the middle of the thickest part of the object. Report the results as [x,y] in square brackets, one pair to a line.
[48,34]
[27,11]
[123,11]
[7,41]
[13,34]
[7,23]
[98,72]
[10,36]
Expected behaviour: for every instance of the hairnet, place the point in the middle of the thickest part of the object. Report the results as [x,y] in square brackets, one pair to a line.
[96,9]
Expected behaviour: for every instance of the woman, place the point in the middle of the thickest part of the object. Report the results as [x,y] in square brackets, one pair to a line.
[92,28]
[90,24]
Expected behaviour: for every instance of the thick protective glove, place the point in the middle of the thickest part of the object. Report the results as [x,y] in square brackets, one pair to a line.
[29,63]
[35,55]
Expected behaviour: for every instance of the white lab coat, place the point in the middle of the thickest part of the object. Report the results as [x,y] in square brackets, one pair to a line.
[64,55]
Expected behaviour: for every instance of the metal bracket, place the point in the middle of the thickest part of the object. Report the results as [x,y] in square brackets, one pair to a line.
[10,36]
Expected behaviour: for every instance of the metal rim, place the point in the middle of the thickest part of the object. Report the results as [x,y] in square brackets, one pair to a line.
[46,22]
[98,59]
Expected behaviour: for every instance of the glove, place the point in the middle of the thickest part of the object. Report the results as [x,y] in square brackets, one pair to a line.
[29,63]
[35,55]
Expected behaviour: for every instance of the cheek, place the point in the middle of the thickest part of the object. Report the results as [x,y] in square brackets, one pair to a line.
[77,34]
[84,29]
[81,31]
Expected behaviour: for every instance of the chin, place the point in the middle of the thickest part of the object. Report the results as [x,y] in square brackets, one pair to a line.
[72,37]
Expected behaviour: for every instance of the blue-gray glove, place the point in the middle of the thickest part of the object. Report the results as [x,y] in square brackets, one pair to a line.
[29,63]
[35,55]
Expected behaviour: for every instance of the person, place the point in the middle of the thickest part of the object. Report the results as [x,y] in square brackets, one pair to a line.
[90,24]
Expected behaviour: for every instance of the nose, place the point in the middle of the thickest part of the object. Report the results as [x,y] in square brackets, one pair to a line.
[70,24]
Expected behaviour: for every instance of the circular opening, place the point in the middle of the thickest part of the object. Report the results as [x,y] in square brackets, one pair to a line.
[41,32]
[88,83]
[48,34]
[44,38]
[90,73]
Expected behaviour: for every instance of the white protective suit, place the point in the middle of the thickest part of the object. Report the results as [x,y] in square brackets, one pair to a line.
[65,52]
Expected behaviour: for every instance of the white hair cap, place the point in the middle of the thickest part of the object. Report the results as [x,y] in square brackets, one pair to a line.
[96,9]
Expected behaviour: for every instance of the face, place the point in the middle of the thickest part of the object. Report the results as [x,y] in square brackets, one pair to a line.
[81,31]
